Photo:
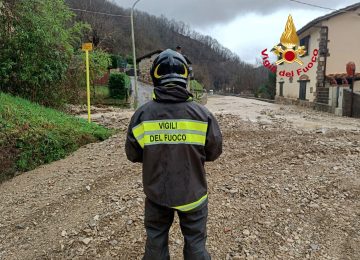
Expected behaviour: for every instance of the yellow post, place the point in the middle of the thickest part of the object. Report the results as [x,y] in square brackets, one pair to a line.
[88,85]
[88,47]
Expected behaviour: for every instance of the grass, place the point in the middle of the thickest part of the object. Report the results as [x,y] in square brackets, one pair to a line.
[32,135]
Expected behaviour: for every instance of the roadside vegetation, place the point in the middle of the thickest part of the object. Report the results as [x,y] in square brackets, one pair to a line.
[42,68]
[31,135]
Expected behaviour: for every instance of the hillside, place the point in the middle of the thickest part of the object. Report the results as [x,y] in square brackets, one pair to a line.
[214,65]
[31,135]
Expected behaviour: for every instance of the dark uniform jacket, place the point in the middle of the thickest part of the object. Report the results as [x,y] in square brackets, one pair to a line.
[173,137]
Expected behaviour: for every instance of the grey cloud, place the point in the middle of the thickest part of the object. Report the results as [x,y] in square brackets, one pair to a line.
[205,13]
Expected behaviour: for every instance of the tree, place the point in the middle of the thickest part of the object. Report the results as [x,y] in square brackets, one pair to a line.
[36,49]
[268,89]
[215,66]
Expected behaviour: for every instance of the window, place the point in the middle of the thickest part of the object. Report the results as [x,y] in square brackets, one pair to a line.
[306,42]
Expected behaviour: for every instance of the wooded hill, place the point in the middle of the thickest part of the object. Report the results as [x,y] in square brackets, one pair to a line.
[214,65]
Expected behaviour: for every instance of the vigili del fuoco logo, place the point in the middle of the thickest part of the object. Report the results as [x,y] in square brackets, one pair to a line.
[289,51]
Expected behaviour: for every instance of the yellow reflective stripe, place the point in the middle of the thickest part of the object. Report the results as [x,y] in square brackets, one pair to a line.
[169,138]
[181,131]
[138,132]
[190,206]
[141,142]
[175,125]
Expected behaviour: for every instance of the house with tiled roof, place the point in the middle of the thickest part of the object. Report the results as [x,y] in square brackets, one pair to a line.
[145,62]
[332,40]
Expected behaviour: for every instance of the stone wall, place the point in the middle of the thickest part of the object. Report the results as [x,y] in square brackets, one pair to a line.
[290,101]
[144,69]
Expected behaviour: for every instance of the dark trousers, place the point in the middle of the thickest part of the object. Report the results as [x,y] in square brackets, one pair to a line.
[158,221]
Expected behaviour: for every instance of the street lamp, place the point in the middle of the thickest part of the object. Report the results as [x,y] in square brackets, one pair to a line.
[134,53]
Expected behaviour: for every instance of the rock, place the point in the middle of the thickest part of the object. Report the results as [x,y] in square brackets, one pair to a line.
[96,218]
[63,233]
[113,242]
[86,241]
[314,205]
[321,131]
[20,226]
[314,247]
[246,232]
[178,241]
[233,191]
[92,223]
[88,188]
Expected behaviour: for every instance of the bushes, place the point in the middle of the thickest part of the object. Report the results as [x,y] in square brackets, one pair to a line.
[267,90]
[196,86]
[37,42]
[119,85]
[76,80]
[197,90]
[31,135]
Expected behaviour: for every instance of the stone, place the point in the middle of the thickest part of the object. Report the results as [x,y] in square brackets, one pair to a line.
[246,232]
[314,247]
[113,242]
[233,191]
[20,226]
[92,223]
[86,241]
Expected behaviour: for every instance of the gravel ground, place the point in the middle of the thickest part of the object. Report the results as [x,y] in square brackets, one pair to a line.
[286,187]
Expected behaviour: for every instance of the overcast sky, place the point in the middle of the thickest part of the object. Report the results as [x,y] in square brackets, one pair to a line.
[244,26]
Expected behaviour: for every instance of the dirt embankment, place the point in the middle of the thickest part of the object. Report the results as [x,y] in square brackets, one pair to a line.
[279,191]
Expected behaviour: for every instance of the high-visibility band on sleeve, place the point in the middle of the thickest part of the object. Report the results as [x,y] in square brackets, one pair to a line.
[193,205]
[138,132]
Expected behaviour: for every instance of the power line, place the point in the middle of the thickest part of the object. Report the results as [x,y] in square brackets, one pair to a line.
[326,8]
[313,5]
[92,12]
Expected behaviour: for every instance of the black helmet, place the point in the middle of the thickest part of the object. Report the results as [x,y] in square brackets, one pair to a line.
[169,67]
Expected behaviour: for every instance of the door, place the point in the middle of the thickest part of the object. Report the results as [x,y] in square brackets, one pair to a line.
[281,89]
[302,90]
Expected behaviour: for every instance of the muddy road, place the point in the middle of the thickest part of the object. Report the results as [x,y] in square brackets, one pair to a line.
[286,187]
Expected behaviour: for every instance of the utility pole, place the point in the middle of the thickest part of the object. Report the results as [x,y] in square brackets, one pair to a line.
[134,54]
